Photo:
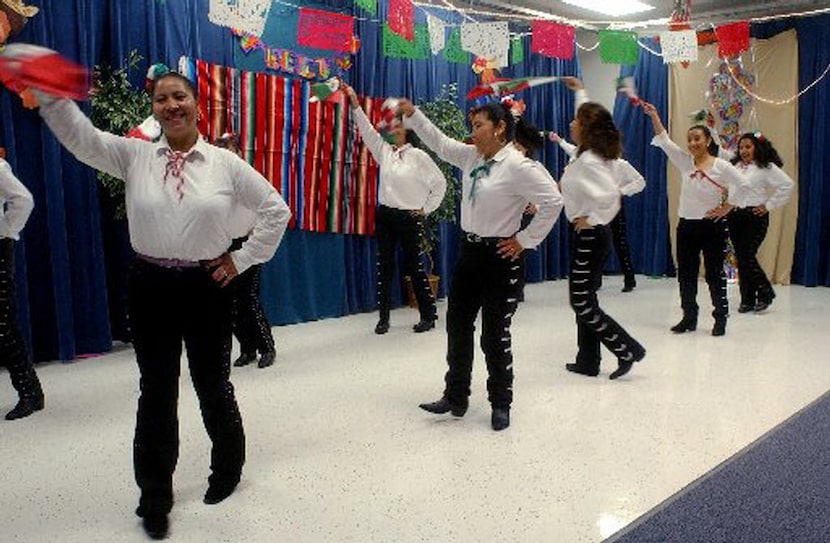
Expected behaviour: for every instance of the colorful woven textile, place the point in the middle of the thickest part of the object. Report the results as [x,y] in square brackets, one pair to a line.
[309,151]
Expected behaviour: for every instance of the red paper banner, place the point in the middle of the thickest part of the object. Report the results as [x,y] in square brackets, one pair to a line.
[552,39]
[733,39]
[325,30]
[402,18]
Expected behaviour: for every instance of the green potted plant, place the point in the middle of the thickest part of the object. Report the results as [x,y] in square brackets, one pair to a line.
[444,112]
[117,107]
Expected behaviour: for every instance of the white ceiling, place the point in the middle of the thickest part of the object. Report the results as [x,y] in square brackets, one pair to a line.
[704,12]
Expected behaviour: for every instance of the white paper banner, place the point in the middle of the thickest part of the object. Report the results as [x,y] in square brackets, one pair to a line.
[489,40]
[679,46]
[247,15]
[437,36]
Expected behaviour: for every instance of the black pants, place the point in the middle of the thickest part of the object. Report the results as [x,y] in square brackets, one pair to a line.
[589,249]
[168,306]
[13,353]
[696,236]
[391,226]
[748,231]
[619,234]
[250,326]
[481,280]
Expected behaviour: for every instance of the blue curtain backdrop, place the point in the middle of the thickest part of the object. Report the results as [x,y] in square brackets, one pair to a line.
[811,262]
[72,258]
[646,212]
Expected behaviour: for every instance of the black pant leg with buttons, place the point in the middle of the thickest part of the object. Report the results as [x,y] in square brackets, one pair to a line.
[169,307]
[619,233]
[250,326]
[589,249]
[748,231]
[13,354]
[482,280]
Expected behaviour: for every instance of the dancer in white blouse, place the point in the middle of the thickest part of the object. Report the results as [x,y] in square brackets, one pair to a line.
[747,211]
[592,200]
[411,187]
[630,182]
[181,193]
[497,184]
[705,180]
[16,205]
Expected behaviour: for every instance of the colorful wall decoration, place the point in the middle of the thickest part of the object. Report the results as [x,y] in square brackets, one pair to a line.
[309,151]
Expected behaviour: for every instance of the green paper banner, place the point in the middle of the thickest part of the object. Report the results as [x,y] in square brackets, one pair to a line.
[453,51]
[517,51]
[618,47]
[397,47]
[370,6]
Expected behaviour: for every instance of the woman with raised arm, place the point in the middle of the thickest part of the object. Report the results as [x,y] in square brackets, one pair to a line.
[592,199]
[705,180]
[630,182]
[497,184]
[181,193]
[411,187]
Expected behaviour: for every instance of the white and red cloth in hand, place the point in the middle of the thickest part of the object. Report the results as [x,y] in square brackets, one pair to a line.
[25,66]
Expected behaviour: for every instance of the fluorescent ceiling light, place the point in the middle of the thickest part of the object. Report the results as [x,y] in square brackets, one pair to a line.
[611,7]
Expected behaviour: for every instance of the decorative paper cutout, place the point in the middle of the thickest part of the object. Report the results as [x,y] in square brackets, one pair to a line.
[436,33]
[453,51]
[679,46]
[618,47]
[283,60]
[370,6]
[247,15]
[325,30]
[402,18]
[552,39]
[397,47]
[733,39]
[490,40]
[517,51]
[729,99]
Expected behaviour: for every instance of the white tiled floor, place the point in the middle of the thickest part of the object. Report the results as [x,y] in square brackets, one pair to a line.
[338,450]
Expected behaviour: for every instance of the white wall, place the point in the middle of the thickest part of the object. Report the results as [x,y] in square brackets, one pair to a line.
[600,79]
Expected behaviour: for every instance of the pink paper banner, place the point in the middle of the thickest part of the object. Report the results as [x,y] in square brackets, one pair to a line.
[402,18]
[733,39]
[552,39]
[325,30]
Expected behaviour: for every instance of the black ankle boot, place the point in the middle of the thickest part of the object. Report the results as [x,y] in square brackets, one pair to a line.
[687,324]
[500,418]
[719,329]
[244,359]
[382,327]
[424,325]
[156,526]
[267,359]
[25,407]
[582,369]
[444,406]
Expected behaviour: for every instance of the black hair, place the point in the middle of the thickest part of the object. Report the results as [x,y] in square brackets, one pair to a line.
[187,83]
[598,133]
[496,112]
[764,155]
[528,136]
[712,147]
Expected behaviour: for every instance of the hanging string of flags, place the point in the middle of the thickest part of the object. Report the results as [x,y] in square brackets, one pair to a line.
[464,43]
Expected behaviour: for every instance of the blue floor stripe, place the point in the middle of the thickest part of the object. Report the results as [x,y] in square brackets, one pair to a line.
[777,489]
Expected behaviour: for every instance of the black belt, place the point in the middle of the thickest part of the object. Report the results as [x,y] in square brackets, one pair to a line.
[469,237]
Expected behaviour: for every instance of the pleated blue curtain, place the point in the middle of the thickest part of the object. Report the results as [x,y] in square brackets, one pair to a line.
[646,212]
[811,261]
